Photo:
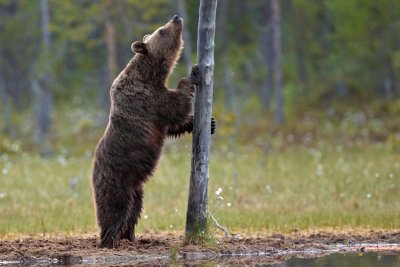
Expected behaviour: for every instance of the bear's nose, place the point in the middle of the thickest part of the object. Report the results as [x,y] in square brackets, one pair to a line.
[176,18]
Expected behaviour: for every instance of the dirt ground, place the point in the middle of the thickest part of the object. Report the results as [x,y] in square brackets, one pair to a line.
[168,247]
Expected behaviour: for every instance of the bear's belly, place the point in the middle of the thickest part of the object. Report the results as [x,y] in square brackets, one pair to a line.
[143,156]
[129,153]
[143,160]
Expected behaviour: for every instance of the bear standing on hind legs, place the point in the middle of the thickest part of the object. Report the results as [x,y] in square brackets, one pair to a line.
[143,113]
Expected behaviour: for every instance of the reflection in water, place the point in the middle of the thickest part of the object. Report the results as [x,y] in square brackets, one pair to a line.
[345,260]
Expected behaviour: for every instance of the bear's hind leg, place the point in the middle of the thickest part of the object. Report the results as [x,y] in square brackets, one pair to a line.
[113,217]
[134,215]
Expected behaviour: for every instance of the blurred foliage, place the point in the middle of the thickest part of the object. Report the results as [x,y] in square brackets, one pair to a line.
[332,49]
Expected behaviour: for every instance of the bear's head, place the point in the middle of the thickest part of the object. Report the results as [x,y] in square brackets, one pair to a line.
[164,44]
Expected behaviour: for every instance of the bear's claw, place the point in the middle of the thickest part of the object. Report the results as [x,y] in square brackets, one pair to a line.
[213,125]
[195,76]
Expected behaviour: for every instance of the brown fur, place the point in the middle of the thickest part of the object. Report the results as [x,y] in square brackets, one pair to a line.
[143,113]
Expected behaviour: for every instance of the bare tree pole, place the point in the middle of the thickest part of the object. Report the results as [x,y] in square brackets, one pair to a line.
[187,52]
[45,105]
[196,217]
[277,59]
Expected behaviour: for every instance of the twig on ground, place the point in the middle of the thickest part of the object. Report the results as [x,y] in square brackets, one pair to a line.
[223,228]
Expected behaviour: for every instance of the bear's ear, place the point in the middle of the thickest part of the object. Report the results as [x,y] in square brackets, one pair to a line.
[139,47]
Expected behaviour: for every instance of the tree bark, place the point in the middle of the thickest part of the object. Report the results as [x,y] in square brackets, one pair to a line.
[45,105]
[187,52]
[277,59]
[196,217]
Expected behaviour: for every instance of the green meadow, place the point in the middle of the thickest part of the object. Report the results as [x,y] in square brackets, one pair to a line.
[316,172]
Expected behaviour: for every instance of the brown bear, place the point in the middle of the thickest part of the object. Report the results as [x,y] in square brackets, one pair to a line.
[143,113]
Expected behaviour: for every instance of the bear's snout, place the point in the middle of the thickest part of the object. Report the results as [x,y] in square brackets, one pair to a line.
[176,18]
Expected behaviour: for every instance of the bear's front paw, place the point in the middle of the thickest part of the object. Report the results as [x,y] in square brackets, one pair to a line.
[213,125]
[195,76]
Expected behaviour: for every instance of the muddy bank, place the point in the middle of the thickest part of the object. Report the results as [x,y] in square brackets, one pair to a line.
[163,248]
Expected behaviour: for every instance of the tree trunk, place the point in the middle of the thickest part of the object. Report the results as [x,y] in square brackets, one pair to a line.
[128,24]
[187,52]
[111,45]
[324,41]
[389,83]
[227,80]
[325,30]
[266,43]
[196,217]
[277,59]
[296,20]
[45,105]
[6,109]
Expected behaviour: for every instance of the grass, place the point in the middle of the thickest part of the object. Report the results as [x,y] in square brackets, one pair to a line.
[278,181]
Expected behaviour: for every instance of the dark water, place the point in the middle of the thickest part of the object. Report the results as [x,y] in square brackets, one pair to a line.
[332,260]
[344,260]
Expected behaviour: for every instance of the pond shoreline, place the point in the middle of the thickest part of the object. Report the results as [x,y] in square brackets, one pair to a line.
[168,248]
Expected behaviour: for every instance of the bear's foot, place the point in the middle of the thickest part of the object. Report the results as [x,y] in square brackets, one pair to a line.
[129,235]
[109,243]
[110,237]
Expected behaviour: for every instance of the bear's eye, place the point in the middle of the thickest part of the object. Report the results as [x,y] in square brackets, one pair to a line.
[162,32]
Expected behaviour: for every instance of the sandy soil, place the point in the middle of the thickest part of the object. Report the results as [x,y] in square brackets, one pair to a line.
[163,248]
